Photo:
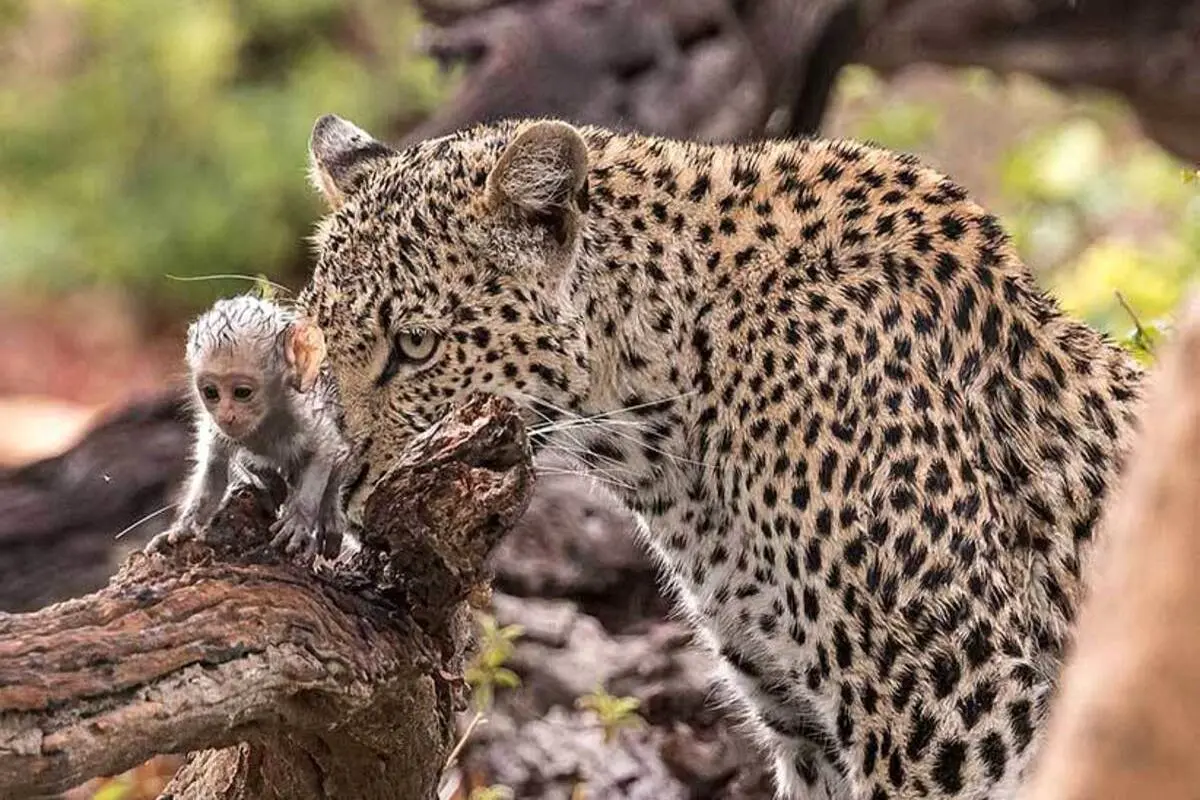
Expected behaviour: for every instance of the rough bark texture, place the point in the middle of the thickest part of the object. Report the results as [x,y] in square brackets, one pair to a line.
[738,69]
[1124,723]
[342,683]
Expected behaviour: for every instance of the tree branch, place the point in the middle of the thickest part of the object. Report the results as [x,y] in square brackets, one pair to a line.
[716,70]
[1146,52]
[343,684]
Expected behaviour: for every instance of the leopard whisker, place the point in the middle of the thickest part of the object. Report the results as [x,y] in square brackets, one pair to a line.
[590,474]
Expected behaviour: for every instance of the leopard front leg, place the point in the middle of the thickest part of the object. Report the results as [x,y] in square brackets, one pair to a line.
[808,763]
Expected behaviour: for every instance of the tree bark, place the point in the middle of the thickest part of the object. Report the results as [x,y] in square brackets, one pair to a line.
[1124,722]
[343,681]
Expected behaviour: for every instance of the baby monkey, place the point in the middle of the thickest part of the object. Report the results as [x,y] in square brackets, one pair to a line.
[264,402]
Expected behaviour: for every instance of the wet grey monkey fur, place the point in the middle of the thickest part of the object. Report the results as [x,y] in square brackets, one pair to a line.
[264,402]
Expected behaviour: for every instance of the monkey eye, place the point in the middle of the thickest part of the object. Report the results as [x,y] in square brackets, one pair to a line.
[243,393]
[210,393]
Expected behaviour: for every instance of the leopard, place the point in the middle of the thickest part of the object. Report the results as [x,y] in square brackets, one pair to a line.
[866,450]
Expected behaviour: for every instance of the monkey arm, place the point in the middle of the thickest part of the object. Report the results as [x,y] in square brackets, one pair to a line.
[333,523]
[209,481]
[297,527]
[205,490]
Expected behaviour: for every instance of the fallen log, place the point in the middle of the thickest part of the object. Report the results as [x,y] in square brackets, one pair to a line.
[342,681]
[61,514]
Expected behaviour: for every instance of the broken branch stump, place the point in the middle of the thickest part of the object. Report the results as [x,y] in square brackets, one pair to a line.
[292,684]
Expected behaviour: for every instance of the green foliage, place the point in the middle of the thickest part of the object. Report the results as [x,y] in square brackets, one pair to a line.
[487,672]
[904,126]
[117,789]
[496,792]
[170,137]
[1145,337]
[1098,217]
[613,713]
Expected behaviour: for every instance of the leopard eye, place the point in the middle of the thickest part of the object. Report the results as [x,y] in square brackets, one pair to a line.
[416,346]
[408,347]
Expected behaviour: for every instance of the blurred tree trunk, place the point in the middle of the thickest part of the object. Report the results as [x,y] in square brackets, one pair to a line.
[715,70]
[60,515]
[1145,52]
[739,69]
[1124,722]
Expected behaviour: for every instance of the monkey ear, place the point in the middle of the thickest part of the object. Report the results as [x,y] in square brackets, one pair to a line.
[304,351]
[542,174]
[339,154]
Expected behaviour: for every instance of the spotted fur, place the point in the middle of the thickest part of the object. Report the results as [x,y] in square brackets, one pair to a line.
[868,451]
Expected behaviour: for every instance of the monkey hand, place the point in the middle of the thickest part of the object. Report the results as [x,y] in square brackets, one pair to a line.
[184,529]
[295,530]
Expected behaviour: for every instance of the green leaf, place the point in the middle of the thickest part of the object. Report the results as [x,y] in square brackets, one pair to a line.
[483,696]
[626,705]
[116,789]
[506,678]
[511,632]
[1089,287]
[495,792]
[265,287]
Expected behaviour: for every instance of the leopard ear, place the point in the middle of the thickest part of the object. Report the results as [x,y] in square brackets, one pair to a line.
[542,175]
[339,154]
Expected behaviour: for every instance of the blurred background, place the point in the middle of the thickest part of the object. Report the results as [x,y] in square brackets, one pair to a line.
[145,144]
[150,147]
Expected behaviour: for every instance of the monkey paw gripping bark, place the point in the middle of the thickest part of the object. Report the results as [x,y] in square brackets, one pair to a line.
[341,685]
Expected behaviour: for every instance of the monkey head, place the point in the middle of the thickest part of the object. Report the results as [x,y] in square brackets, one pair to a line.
[244,355]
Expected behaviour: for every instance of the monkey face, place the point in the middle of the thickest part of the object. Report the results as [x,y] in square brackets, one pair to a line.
[235,399]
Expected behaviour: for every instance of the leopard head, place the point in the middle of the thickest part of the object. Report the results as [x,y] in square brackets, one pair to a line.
[445,269]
